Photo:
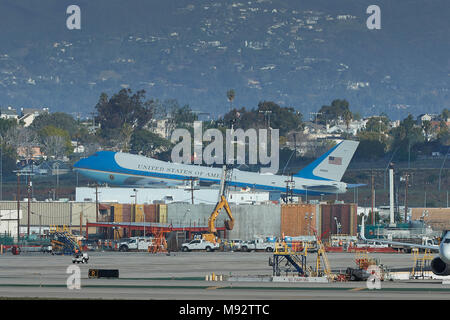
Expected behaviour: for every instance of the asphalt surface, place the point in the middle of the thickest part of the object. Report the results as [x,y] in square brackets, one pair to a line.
[181,276]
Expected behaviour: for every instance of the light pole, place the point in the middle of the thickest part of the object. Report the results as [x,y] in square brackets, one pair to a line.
[309,217]
[338,225]
[135,207]
[40,223]
[442,166]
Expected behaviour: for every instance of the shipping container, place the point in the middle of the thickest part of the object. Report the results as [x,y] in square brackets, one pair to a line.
[116,211]
[151,213]
[162,213]
[298,219]
[436,218]
[127,213]
[338,219]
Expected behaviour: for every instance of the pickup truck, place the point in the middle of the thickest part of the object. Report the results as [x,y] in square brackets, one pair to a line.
[199,244]
[135,243]
[258,245]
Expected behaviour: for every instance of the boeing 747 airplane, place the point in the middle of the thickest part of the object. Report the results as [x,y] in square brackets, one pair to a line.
[323,176]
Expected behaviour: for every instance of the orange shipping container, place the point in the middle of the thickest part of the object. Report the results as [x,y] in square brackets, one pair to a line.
[298,219]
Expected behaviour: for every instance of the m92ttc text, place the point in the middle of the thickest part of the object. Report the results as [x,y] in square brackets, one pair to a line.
[246,309]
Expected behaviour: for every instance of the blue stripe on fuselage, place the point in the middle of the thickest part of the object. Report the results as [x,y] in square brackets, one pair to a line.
[102,165]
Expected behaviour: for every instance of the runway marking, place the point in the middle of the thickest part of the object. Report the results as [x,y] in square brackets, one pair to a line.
[112,286]
[357,289]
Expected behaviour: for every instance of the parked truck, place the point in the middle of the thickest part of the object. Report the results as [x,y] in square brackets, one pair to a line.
[200,244]
[135,244]
[258,244]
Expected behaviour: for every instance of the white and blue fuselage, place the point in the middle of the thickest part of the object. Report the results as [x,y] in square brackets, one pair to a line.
[126,169]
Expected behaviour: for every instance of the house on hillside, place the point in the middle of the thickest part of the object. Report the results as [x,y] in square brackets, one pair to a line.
[9,113]
[29,114]
[32,152]
[46,168]
[54,167]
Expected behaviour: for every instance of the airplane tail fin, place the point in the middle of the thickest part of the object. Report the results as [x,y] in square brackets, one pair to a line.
[332,164]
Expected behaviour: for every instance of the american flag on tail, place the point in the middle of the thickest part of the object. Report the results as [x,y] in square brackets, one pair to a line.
[335,160]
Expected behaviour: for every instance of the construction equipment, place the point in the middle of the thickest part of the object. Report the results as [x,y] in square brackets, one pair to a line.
[159,243]
[321,255]
[364,263]
[284,254]
[63,242]
[212,235]
[422,265]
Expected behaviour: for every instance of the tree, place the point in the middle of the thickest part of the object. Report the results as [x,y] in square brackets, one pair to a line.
[338,110]
[147,143]
[445,115]
[182,116]
[6,125]
[378,124]
[231,95]
[59,120]
[370,146]
[283,118]
[56,141]
[8,160]
[405,136]
[426,127]
[267,114]
[123,108]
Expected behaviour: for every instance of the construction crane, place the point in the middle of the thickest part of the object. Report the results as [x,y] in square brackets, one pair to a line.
[221,203]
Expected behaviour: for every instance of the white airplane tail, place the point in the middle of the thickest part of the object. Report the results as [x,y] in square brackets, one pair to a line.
[331,165]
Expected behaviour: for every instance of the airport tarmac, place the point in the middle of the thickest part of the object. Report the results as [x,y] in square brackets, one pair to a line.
[181,275]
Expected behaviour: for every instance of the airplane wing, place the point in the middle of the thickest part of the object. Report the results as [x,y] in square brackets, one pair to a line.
[355,185]
[397,243]
[320,187]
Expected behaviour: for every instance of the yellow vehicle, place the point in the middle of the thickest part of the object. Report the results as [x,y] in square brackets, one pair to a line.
[212,235]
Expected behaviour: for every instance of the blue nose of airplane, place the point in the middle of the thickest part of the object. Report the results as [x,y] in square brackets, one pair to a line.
[78,164]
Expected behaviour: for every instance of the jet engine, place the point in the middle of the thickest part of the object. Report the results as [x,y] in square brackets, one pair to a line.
[439,267]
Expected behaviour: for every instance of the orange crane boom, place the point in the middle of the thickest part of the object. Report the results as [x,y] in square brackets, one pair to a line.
[229,224]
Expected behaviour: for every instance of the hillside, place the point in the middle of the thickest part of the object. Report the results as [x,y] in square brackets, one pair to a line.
[297,53]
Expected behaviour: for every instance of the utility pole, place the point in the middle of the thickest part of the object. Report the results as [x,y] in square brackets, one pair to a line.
[81,223]
[406,194]
[192,187]
[18,206]
[96,206]
[289,188]
[373,198]
[29,205]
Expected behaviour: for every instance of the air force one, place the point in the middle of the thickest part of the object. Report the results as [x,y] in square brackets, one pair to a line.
[323,176]
[440,265]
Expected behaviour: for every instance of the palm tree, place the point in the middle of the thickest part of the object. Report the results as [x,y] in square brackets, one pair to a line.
[230,96]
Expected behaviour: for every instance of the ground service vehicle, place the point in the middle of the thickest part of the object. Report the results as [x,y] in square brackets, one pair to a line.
[80,257]
[135,243]
[236,244]
[199,244]
[258,244]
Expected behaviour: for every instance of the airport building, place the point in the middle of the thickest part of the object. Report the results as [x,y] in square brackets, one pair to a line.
[170,195]
[251,220]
